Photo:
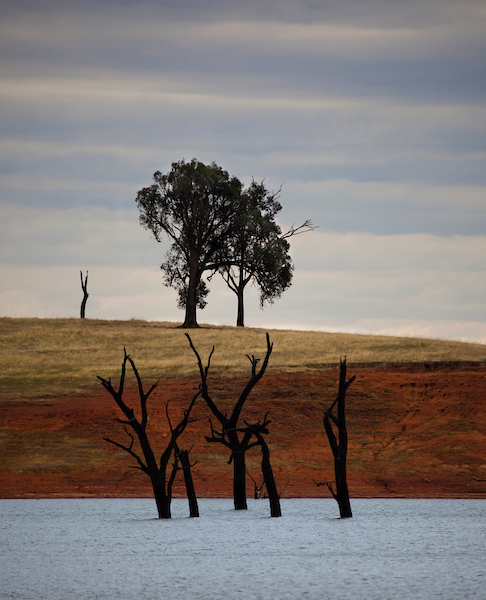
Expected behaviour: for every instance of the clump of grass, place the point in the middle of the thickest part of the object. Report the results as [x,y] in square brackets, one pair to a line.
[44,357]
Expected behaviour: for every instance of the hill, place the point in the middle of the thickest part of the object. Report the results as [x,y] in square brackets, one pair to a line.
[416,416]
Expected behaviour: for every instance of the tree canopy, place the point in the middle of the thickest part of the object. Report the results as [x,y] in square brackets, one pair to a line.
[194,205]
[216,226]
[256,251]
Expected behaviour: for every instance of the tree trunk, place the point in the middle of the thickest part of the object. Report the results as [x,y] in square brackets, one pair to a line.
[342,493]
[84,287]
[240,320]
[239,481]
[190,321]
[83,307]
[162,500]
[191,494]
[340,448]
[275,510]
[240,317]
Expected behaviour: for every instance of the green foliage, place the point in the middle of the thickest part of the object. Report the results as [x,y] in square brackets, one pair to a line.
[257,252]
[216,226]
[193,205]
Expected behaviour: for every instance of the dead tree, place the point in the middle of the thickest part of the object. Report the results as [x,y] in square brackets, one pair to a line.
[230,435]
[257,486]
[84,287]
[258,430]
[157,471]
[191,494]
[339,444]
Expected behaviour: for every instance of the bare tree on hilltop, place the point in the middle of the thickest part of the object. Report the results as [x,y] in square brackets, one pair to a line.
[84,287]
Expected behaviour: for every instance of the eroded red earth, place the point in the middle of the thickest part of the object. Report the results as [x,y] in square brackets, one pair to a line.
[414,431]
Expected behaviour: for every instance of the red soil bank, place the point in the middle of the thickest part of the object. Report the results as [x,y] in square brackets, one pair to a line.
[414,431]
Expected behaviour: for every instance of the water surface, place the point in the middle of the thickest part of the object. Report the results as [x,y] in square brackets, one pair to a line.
[116,549]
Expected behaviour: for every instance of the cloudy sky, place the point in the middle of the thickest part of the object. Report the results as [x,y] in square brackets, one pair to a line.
[370,114]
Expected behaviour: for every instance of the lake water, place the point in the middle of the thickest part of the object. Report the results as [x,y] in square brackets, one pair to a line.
[116,549]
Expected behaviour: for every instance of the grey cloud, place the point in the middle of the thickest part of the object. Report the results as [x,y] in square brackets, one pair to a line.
[418,13]
[370,113]
[387,209]
[87,236]
[328,252]
[422,295]
[324,55]
[104,147]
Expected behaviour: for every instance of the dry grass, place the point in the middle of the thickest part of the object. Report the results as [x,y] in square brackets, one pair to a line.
[45,357]
[40,451]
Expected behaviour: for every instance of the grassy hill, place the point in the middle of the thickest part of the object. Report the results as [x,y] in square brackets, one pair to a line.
[45,357]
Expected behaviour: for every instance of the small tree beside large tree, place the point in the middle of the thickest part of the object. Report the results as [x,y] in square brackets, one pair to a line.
[256,251]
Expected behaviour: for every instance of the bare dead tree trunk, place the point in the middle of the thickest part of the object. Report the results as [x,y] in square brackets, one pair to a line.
[162,499]
[258,430]
[273,496]
[157,471]
[239,479]
[84,287]
[229,434]
[191,493]
[339,445]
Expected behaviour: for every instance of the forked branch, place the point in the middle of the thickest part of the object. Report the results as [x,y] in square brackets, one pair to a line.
[156,471]
[142,466]
[304,228]
[84,287]
[230,433]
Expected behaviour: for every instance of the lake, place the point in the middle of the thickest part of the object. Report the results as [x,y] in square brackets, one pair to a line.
[117,549]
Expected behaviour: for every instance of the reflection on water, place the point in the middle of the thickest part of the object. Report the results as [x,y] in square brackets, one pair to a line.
[116,549]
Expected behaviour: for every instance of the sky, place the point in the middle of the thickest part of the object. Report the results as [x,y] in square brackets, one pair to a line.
[371,115]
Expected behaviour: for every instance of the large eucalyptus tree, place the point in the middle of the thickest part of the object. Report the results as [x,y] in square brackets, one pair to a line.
[194,205]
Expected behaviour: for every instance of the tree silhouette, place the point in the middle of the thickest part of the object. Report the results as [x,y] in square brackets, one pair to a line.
[257,252]
[236,439]
[339,444]
[194,205]
[259,430]
[156,470]
[216,226]
[84,287]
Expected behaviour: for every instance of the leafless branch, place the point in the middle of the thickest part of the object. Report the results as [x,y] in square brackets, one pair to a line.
[129,450]
[203,371]
[280,494]
[304,228]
